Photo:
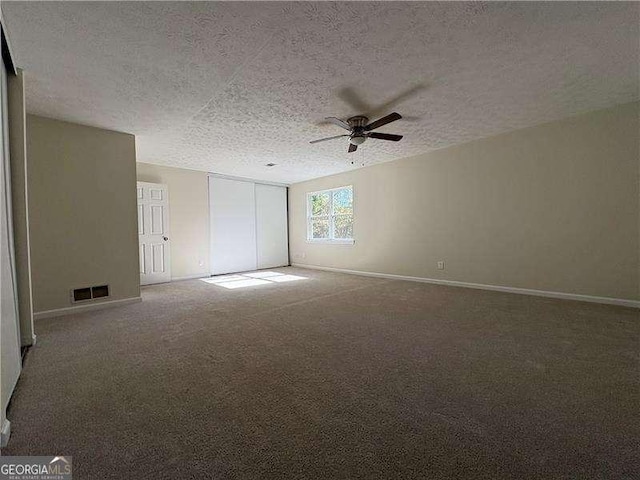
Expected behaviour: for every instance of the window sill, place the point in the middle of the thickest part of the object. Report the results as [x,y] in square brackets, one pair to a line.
[332,242]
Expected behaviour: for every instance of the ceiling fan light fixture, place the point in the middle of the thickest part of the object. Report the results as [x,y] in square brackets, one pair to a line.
[357,139]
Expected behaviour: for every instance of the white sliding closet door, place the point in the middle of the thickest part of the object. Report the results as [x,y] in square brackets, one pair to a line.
[248,225]
[9,328]
[271,222]
[232,207]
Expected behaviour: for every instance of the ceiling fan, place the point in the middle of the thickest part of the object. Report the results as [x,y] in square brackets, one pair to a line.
[360,129]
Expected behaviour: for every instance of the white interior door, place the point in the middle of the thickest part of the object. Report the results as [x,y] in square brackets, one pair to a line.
[9,328]
[153,233]
[232,208]
[271,226]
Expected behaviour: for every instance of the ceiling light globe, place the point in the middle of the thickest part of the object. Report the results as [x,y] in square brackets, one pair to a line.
[357,140]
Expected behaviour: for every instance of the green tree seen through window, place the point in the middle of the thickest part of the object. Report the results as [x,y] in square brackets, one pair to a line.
[330,214]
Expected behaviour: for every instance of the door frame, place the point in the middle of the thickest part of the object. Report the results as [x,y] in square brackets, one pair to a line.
[254,182]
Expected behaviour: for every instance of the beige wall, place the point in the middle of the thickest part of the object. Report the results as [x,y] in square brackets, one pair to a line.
[82,209]
[188,217]
[553,207]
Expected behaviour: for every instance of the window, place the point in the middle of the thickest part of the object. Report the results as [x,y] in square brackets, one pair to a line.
[330,215]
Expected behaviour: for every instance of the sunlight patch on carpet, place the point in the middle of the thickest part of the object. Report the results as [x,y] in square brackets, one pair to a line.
[251,279]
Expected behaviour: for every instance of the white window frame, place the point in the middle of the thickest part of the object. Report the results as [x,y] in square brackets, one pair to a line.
[331,215]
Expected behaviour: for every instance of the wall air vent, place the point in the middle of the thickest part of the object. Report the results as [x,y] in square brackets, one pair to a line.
[89,293]
[100,291]
[81,294]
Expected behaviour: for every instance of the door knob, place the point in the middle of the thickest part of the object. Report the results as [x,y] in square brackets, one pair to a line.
[165,238]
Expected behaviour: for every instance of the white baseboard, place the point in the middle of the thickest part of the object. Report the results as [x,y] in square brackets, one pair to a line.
[85,308]
[5,433]
[190,277]
[498,288]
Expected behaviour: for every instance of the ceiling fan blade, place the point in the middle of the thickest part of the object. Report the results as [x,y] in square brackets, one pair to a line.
[385,136]
[352,147]
[392,117]
[328,138]
[338,122]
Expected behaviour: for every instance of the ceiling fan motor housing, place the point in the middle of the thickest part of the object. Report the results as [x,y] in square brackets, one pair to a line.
[358,121]
[357,125]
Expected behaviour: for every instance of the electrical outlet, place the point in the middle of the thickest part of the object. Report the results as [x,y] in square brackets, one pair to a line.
[440,265]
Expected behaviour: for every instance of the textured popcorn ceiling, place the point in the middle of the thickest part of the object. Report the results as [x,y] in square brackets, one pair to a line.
[230,87]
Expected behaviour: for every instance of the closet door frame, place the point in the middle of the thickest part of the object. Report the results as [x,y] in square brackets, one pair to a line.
[215,267]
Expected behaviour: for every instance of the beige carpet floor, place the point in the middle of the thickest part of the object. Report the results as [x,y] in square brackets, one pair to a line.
[335,377]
